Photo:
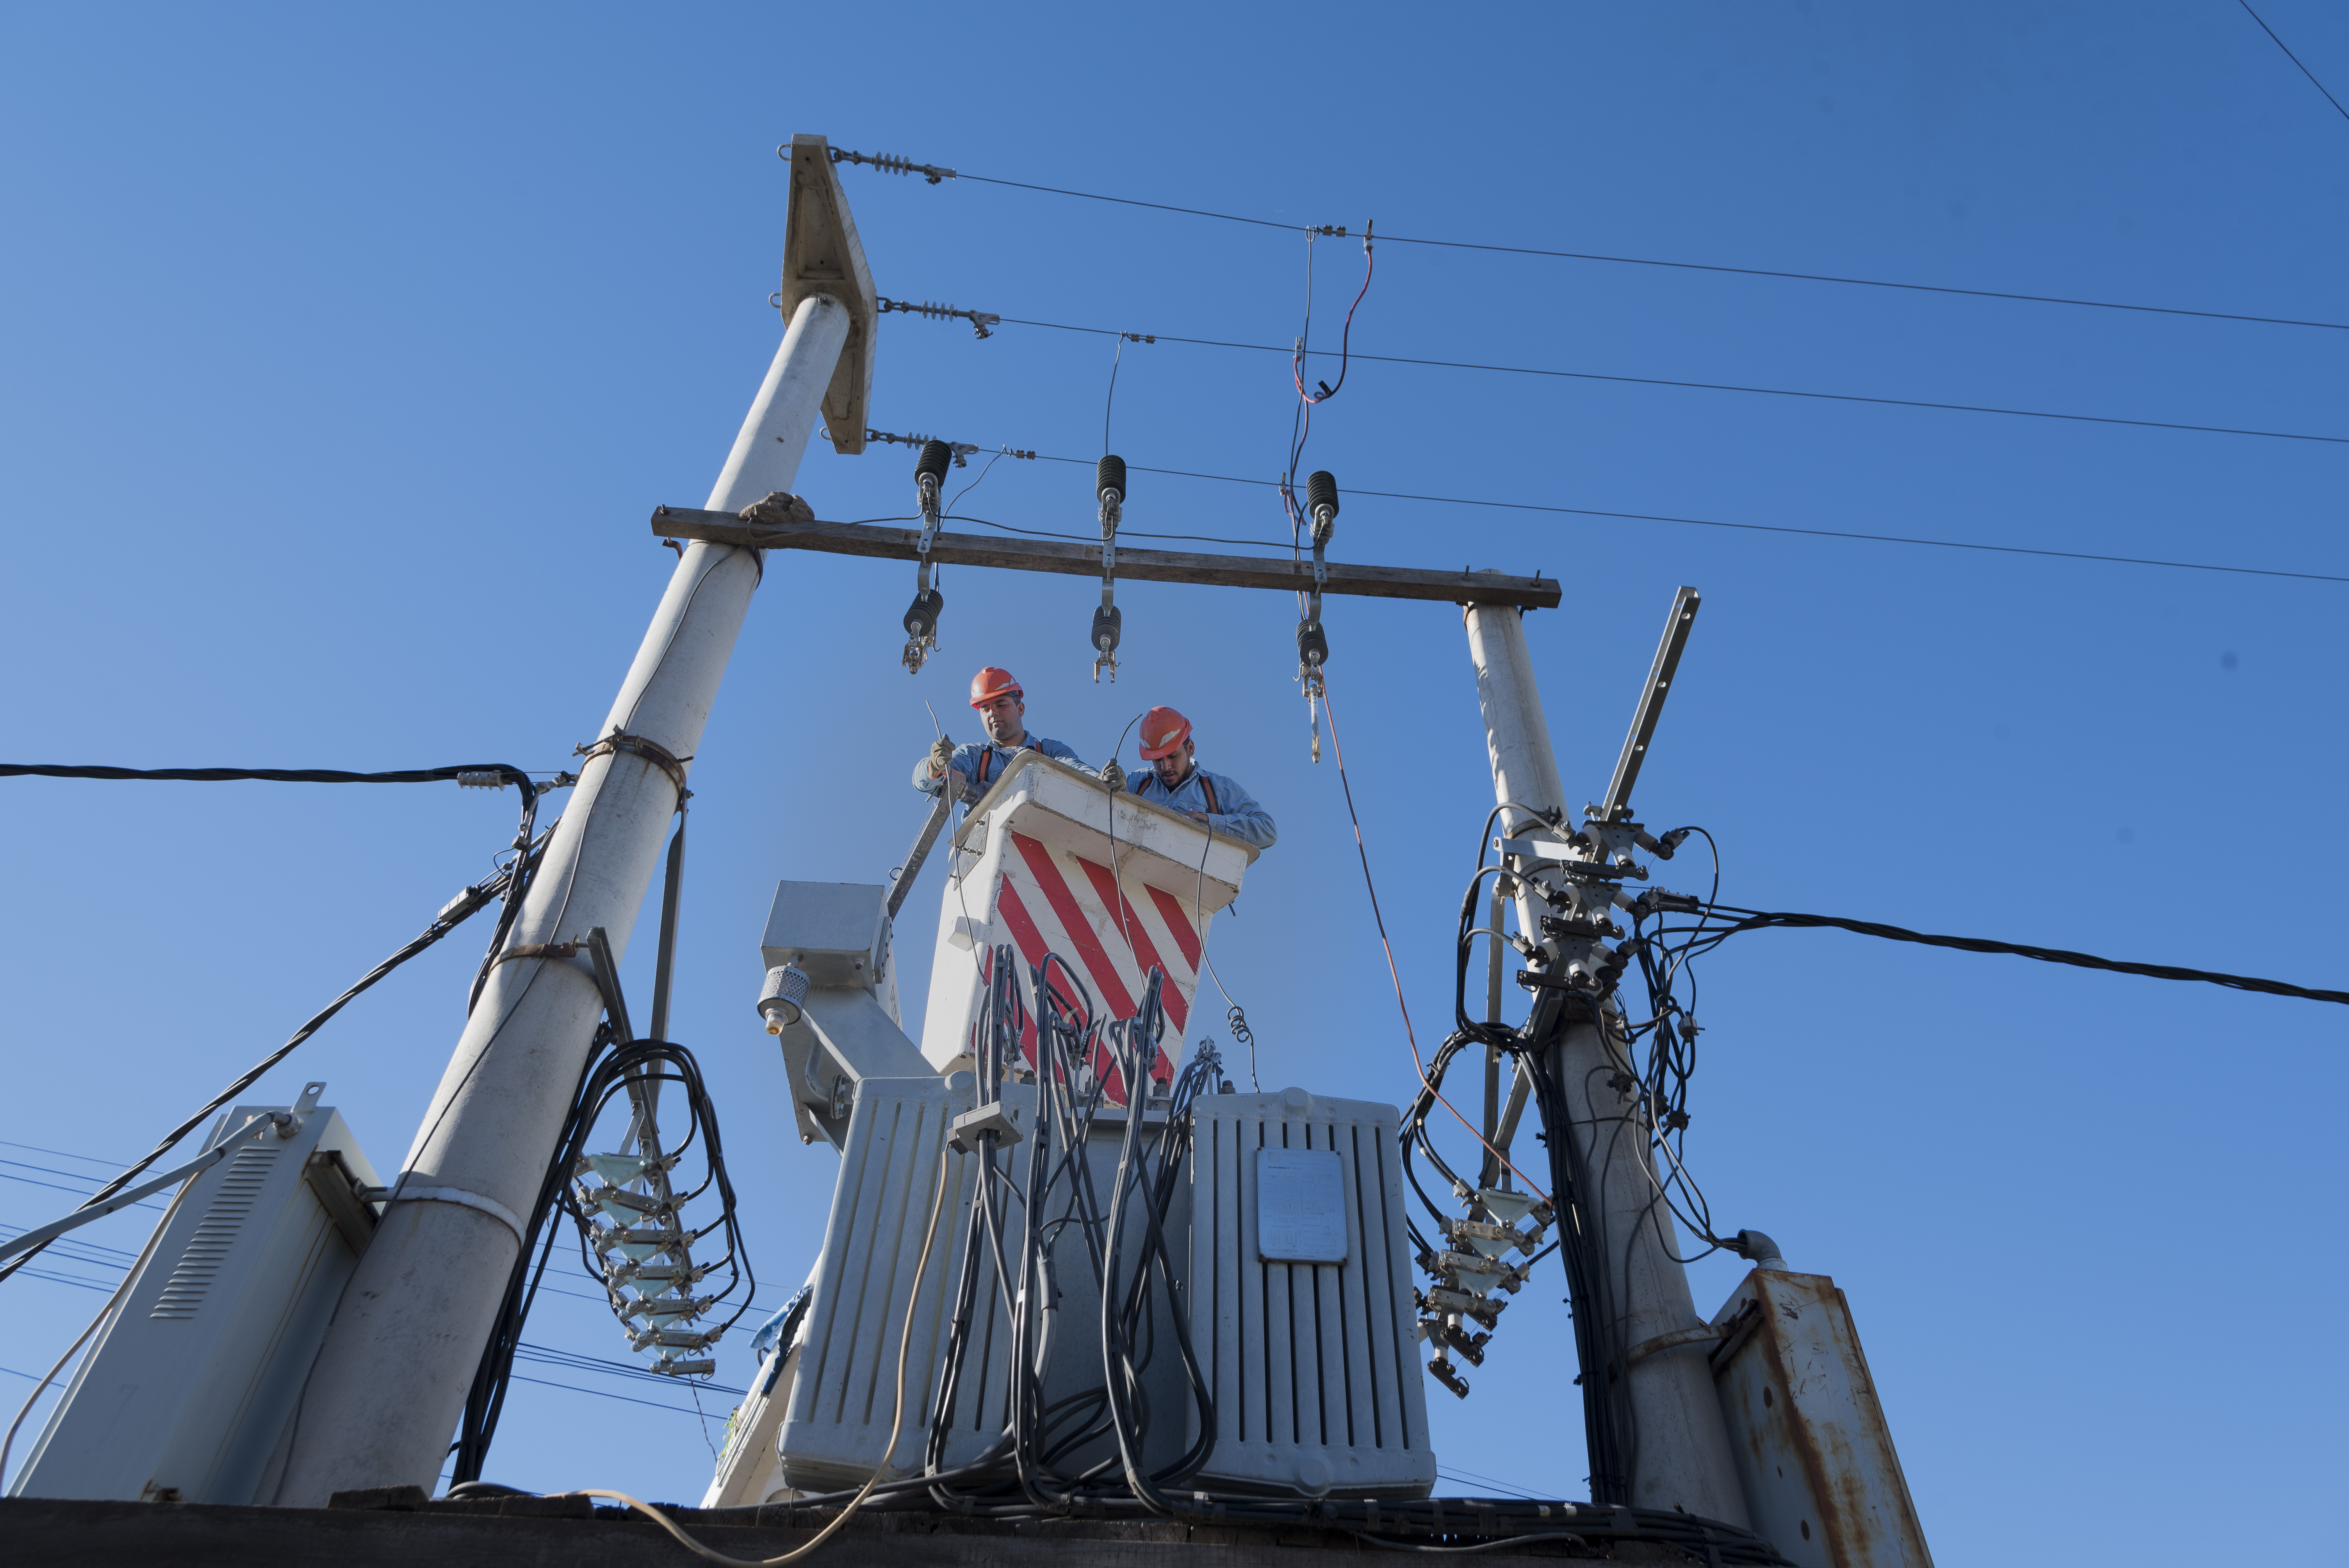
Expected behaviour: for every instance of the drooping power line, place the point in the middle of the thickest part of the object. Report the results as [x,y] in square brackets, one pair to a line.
[2288,54]
[1654,517]
[1708,386]
[841,155]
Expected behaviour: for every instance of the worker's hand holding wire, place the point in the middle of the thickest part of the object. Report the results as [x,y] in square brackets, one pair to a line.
[1113,775]
[941,754]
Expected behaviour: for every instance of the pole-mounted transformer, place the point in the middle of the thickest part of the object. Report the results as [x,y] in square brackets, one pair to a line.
[1109,487]
[921,615]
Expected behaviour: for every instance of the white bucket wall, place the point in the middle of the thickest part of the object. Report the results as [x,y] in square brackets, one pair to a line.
[1050,861]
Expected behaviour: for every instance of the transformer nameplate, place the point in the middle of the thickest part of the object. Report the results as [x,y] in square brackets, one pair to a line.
[1300,1206]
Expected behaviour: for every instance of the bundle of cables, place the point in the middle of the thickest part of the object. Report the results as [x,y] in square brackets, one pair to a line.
[644,1262]
[1042,1401]
[1042,1212]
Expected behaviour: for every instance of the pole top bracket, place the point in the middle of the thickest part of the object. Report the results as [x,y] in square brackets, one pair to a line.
[822,255]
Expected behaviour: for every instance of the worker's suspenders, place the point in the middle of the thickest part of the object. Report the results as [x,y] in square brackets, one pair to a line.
[1205,784]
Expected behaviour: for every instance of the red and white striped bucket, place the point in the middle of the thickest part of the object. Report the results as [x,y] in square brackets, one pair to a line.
[1051,862]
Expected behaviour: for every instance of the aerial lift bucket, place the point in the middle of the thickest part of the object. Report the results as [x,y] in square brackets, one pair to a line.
[1116,885]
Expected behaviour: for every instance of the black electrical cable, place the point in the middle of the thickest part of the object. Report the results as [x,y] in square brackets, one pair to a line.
[1753,920]
[1710,386]
[495,774]
[611,1071]
[466,904]
[2288,54]
[504,772]
[1092,1447]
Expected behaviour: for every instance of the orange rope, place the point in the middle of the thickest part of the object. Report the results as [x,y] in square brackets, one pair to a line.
[1409,1034]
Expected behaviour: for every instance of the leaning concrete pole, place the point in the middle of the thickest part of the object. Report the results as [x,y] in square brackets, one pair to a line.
[1681,1459]
[391,1378]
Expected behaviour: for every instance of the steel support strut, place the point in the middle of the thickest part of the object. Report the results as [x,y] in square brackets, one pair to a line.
[1677,1449]
[392,1375]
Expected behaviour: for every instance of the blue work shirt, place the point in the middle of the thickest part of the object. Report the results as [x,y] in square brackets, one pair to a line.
[1236,816]
[965,762]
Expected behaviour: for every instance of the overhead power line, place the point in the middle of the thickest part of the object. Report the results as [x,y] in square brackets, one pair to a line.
[1755,919]
[2288,54]
[481,774]
[1704,386]
[1655,517]
[841,155]
[1592,512]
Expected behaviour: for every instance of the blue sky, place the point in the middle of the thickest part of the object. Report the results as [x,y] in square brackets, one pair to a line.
[346,352]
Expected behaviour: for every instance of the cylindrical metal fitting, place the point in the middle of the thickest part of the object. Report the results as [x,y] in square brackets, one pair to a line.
[780,997]
[1109,479]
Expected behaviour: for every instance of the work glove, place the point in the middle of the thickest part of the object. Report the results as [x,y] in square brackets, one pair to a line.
[941,754]
[1113,775]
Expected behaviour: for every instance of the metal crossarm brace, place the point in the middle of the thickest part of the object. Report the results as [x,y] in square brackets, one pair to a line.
[1617,804]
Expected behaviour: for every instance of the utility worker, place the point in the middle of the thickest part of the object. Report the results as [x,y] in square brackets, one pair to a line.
[1175,780]
[970,769]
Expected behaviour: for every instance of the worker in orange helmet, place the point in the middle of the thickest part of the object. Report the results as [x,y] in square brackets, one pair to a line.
[968,769]
[1174,779]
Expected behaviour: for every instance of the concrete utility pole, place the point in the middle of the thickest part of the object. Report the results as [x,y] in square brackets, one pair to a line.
[391,1378]
[1682,1457]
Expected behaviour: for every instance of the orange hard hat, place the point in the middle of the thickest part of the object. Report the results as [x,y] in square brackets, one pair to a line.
[992,683]
[1164,731]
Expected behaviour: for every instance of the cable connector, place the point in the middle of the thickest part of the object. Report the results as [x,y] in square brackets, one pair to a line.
[962,451]
[979,320]
[488,779]
[886,162]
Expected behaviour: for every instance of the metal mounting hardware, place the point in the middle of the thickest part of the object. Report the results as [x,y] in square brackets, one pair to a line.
[1312,639]
[1109,622]
[888,163]
[821,255]
[1672,1341]
[979,320]
[1616,805]
[921,617]
[1571,928]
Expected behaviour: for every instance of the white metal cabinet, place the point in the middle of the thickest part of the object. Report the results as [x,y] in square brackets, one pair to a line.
[191,1393]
